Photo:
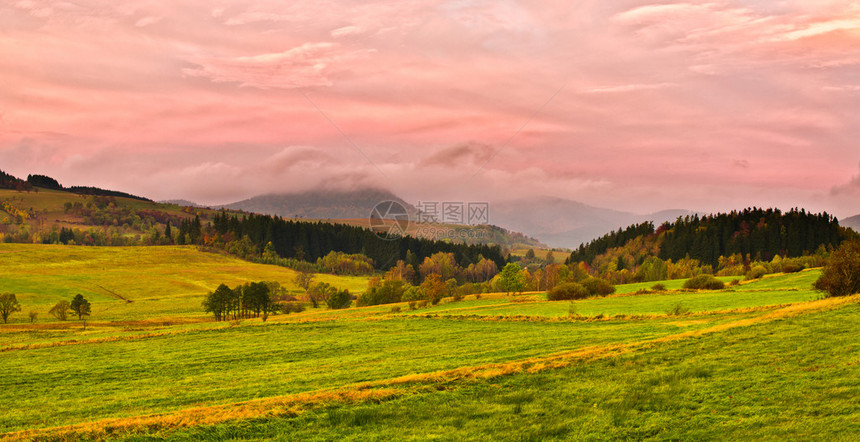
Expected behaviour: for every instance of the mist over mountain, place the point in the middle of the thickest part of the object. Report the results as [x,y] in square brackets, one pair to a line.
[554,221]
[852,221]
[565,223]
[319,204]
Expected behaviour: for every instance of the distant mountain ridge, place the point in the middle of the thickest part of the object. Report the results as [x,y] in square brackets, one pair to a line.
[564,223]
[319,204]
[852,222]
[555,221]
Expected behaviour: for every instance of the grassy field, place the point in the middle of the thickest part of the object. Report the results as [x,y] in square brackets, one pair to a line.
[132,283]
[765,359]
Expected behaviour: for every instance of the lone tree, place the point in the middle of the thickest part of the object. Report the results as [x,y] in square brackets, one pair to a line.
[841,275]
[511,279]
[8,305]
[80,306]
[60,310]
[304,280]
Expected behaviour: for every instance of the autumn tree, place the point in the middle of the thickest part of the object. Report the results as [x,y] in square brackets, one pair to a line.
[304,280]
[841,275]
[434,288]
[8,305]
[60,310]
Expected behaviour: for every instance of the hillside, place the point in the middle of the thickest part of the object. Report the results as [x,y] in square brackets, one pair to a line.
[32,213]
[135,282]
[722,242]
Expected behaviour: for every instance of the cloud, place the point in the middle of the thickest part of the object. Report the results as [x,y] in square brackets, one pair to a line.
[470,154]
[851,188]
[630,88]
[303,66]
[148,20]
[346,31]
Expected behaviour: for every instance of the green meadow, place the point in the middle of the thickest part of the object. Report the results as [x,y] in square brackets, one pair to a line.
[763,359]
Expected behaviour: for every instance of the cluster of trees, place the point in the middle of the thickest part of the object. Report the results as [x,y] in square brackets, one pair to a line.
[79,306]
[309,241]
[50,183]
[8,181]
[253,299]
[339,263]
[729,244]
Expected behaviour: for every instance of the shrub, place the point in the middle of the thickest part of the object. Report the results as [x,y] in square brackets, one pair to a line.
[841,275]
[735,282]
[792,268]
[340,299]
[571,310]
[658,287]
[570,290]
[678,310]
[412,305]
[704,282]
[597,286]
[395,309]
[60,310]
[292,307]
[755,273]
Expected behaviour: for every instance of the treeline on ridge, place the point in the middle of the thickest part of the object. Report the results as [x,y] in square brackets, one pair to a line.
[310,241]
[35,180]
[753,233]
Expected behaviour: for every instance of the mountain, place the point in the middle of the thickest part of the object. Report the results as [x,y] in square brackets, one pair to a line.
[319,204]
[181,202]
[853,222]
[564,223]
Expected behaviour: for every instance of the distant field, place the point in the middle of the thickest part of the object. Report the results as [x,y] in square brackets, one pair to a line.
[765,359]
[159,281]
[773,290]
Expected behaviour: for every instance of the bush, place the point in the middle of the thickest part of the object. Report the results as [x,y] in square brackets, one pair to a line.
[792,268]
[570,290]
[734,282]
[339,300]
[292,307]
[395,309]
[597,286]
[678,310]
[658,287]
[755,273]
[704,282]
[841,275]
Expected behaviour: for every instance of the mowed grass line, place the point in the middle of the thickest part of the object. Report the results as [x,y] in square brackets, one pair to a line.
[261,412]
[210,367]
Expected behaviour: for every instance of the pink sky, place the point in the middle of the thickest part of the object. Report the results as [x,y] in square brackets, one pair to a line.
[632,105]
